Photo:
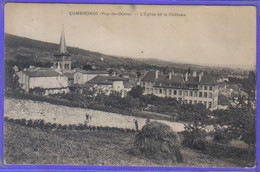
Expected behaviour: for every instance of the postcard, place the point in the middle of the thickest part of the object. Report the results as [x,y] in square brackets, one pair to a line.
[130,85]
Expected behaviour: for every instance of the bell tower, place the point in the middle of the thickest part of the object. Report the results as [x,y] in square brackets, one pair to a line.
[62,60]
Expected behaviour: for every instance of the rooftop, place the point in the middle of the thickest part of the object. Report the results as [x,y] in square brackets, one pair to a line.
[177,78]
[223,100]
[105,80]
[42,73]
[93,72]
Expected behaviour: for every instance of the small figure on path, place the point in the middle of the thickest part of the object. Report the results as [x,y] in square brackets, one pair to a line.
[136,125]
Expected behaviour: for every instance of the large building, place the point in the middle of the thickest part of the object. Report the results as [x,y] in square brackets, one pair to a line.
[52,80]
[189,88]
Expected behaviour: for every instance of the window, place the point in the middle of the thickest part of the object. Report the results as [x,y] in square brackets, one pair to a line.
[170,92]
[195,102]
[160,91]
[190,101]
[205,94]
[200,94]
[180,93]
[205,87]
[151,90]
[195,94]
[175,92]
[205,103]
[185,101]
[200,87]
[200,102]
[210,88]
[156,91]
[143,83]
[210,105]
[191,93]
[210,95]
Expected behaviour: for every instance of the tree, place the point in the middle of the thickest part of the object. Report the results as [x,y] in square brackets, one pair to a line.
[249,85]
[11,79]
[87,67]
[237,123]
[136,92]
[138,73]
[198,117]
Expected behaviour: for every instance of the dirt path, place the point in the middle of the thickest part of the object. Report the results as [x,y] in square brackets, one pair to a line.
[18,109]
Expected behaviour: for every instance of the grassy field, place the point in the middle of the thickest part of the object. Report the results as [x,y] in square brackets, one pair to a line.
[23,145]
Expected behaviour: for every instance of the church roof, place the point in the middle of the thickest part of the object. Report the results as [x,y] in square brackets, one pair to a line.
[69,75]
[42,73]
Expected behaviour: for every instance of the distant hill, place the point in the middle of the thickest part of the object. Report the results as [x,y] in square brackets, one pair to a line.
[35,50]
[43,51]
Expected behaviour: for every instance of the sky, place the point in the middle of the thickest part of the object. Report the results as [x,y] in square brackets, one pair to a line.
[207,35]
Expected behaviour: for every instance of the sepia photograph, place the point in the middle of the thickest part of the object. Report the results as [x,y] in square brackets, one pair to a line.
[130,85]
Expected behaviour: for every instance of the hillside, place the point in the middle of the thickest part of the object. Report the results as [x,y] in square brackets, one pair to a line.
[34,50]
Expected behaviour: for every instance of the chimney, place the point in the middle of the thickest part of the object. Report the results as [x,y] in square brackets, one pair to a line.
[200,76]
[156,74]
[194,73]
[170,75]
[186,76]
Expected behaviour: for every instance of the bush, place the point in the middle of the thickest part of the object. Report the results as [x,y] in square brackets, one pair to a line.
[23,122]
[64,127]
[194,141]
[53,126]
[59,126]
[29,123]
[221,135]
[48,125]
[158,140]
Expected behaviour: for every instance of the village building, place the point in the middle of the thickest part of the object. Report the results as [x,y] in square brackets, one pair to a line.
[223,102]
[53,80]
[108,84]
[83,76]
[189,88]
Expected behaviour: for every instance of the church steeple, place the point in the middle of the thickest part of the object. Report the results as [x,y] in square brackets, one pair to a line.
[62,59]
[62,47]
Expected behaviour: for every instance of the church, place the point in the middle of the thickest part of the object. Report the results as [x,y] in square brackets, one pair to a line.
[56,79]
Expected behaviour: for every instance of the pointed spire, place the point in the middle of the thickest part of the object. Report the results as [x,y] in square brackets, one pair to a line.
[62,47]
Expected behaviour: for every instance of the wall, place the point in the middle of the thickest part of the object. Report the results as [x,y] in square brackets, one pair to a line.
[49,82]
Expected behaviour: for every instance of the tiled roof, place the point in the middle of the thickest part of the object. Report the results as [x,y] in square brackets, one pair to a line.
[93,72]
[149,77]
[207,79]
[192,80]
[42,73]
[105,80]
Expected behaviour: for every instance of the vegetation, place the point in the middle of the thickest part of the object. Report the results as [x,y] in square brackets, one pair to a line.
[158,140]
[23,145]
